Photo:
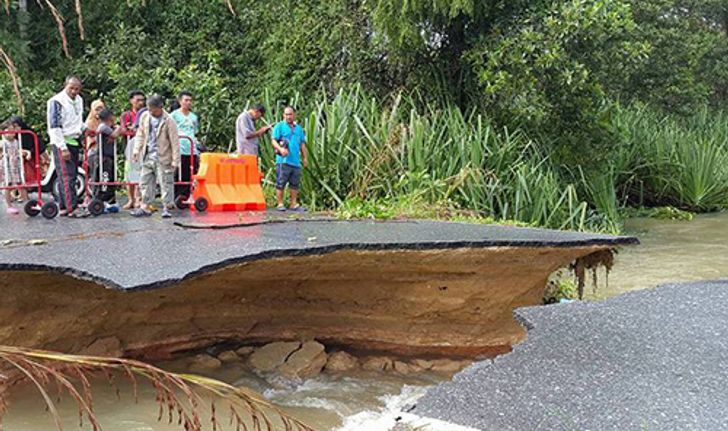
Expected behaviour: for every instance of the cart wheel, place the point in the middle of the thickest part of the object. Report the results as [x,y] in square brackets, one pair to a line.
[49,210]
[31,208]
[181,202]
[201,204]
[96,207]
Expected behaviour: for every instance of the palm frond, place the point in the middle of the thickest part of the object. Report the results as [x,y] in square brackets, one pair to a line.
[178,395]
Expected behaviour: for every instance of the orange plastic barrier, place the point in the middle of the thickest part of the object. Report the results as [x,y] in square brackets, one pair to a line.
[228,183]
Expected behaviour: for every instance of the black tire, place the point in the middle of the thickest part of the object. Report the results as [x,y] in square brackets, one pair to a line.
[31,208]
[55,189]
[80,184]
[80,187]
[49,210]
[181,202]
[201,204]
[49,186]
[96,207]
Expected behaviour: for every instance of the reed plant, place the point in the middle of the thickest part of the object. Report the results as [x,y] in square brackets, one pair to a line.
[681,162]
[367,150]
[367,153]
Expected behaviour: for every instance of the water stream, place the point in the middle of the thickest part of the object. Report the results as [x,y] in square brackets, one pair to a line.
[671,251]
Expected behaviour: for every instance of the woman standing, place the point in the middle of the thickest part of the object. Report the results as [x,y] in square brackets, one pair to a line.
[92,121]
[129,124]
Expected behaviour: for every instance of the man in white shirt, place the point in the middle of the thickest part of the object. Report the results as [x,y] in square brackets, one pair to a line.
[65,129]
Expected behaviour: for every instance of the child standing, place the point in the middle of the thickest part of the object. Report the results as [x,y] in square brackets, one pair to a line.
[289,141]
[92,123]
[30,153]
[106,136]
[11,169]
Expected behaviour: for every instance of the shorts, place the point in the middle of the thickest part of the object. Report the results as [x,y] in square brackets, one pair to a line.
[288,174]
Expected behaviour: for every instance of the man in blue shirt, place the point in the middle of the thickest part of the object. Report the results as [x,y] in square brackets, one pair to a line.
[289,141]
[188,125]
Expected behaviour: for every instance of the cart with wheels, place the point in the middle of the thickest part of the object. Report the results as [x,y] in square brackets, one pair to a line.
[96,206]
[33,207]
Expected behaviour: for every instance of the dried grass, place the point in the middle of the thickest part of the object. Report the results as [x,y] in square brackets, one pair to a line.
[177,395]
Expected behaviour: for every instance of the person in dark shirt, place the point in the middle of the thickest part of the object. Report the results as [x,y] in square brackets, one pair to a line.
[101,159]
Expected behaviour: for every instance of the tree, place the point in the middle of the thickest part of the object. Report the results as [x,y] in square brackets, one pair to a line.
[688,63]
[550,72]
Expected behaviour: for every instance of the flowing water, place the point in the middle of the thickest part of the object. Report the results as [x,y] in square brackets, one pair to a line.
[671,251]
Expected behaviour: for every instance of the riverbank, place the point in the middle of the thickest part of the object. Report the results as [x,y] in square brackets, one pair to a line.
[363,400]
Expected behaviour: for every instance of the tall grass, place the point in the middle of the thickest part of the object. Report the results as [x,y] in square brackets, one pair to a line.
[368,149]
[681,162]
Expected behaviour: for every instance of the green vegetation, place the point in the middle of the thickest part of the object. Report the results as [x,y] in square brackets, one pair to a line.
[660,213]
[395,152]
[557,114]
[560,287]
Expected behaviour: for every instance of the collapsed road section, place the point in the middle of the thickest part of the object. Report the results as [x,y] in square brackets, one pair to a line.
[411,288]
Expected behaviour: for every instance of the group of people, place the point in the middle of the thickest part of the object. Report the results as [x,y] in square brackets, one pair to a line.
[160,145]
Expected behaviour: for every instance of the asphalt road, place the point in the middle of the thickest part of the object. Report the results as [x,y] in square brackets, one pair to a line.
[123,252]
[654,359]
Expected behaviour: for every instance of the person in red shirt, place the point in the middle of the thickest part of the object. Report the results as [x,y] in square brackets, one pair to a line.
[132,170]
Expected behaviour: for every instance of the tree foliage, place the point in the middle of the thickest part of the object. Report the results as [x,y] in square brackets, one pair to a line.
[688,63]
[552,70]
[555,70]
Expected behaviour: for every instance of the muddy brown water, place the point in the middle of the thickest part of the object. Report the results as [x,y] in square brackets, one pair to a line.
[671,251]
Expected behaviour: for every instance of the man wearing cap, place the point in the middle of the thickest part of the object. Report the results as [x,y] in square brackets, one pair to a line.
[246,136]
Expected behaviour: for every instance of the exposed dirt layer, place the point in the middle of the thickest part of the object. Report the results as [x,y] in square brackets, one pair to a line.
[455,303]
